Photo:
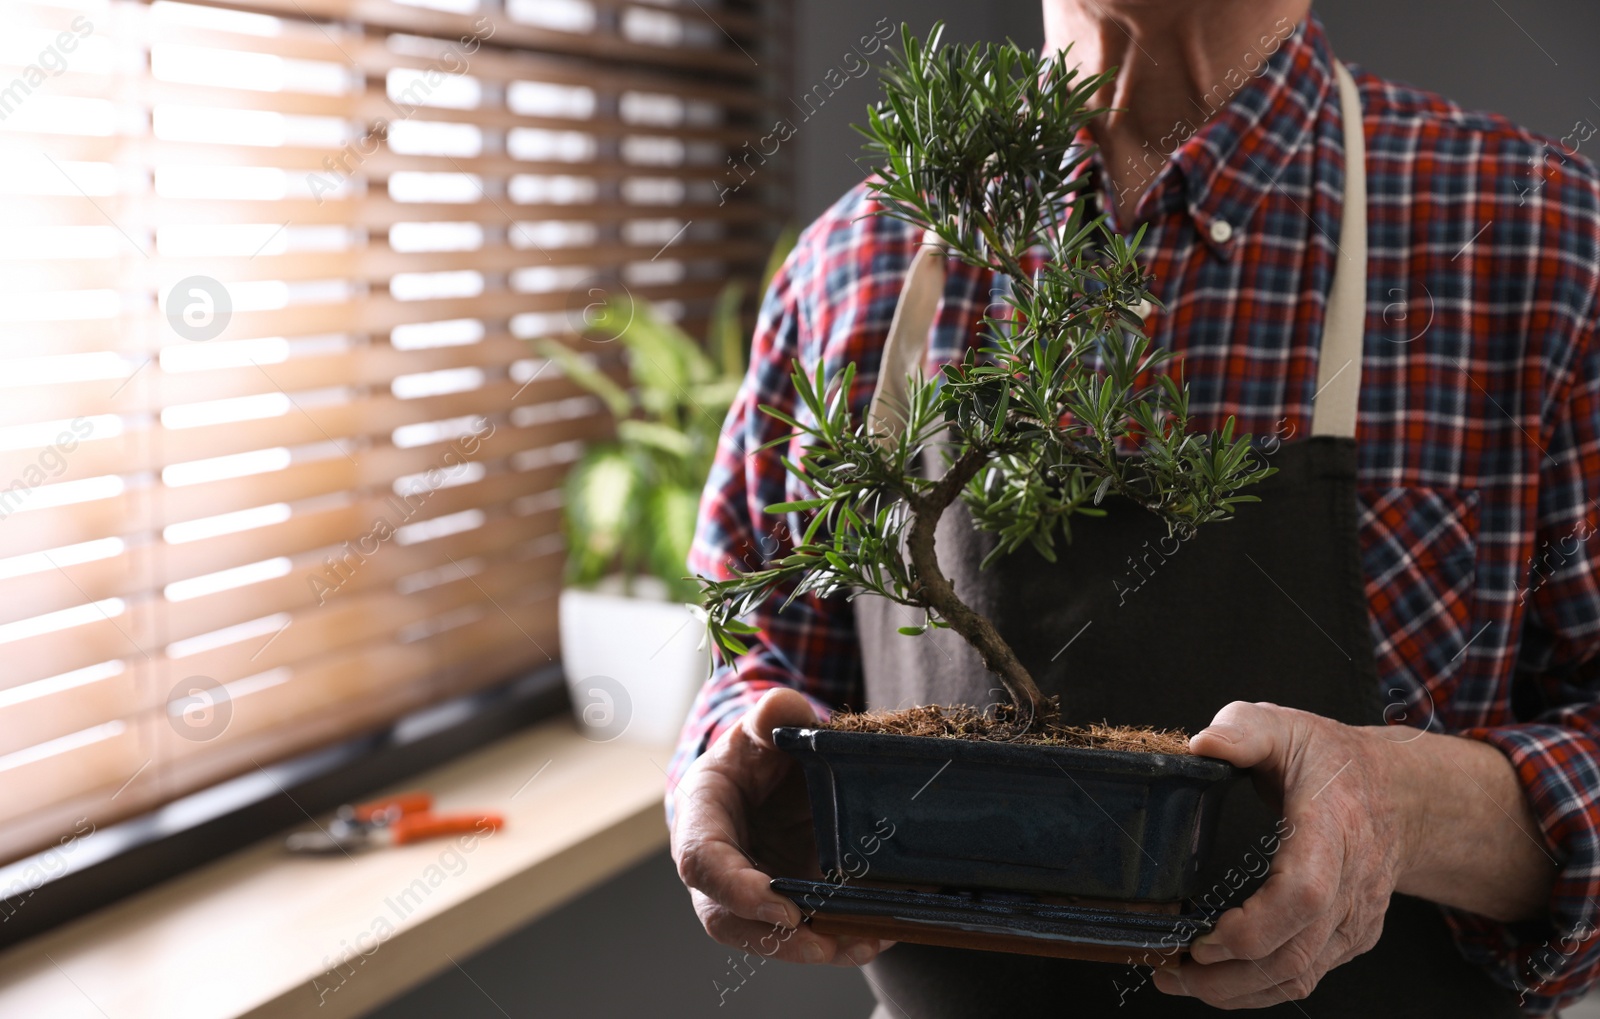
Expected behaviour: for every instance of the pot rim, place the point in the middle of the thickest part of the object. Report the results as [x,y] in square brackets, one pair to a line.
[833,742]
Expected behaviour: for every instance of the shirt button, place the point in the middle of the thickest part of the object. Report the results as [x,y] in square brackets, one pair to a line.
[1221,231]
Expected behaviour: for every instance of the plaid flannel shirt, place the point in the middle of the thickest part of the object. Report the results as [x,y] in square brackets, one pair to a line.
[1478,428]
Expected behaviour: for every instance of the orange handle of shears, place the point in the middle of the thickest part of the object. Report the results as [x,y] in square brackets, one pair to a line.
[393,806]
[416,827]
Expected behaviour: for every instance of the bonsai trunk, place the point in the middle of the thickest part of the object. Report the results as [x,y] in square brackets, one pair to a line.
[940,594]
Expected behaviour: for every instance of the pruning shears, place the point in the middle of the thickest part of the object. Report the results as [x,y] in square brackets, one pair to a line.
[393,821]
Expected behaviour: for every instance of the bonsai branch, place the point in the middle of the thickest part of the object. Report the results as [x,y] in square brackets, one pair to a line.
[937,591]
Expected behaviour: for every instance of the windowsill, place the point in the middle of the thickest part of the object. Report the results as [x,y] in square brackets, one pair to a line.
[260,933]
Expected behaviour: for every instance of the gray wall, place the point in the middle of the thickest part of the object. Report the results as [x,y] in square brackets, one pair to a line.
[1472,51]
[1531,60]
[634,947]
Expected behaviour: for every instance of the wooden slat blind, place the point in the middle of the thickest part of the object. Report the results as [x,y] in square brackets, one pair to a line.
[330,494]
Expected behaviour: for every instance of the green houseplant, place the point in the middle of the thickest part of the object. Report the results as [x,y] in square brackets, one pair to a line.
[1068,404]
[629,507]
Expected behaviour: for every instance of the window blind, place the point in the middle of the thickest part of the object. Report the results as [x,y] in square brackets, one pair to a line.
[277,463]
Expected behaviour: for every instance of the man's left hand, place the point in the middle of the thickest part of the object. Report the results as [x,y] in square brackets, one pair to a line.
[1325,900]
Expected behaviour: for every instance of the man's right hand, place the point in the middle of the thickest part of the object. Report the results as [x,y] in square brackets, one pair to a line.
[742,818]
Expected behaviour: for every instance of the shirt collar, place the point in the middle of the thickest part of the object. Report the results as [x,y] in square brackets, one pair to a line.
[1231,154]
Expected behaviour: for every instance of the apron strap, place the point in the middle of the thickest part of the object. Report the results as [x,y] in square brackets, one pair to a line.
[908,336]
[1338,365]
[1333,409]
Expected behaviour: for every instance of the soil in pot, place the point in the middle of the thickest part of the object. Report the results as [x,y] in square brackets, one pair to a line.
[1005,725]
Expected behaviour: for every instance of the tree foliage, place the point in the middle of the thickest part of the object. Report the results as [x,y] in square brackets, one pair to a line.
[1067,403]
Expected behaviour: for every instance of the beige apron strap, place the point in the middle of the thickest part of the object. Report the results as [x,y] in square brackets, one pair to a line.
[1333,410]
[903,351]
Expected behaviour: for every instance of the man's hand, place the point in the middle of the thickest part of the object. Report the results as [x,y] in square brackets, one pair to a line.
[1374,809]
[742,818]
[1324,903]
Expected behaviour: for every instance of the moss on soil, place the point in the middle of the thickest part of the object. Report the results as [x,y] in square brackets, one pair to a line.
[1003,726]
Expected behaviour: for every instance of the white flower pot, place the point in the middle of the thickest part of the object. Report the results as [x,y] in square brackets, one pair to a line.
[633,662]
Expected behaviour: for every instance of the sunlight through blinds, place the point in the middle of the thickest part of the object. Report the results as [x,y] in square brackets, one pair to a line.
[277,462]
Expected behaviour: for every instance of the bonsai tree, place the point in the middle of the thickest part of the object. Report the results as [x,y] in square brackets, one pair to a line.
[1068,403]
[630,504]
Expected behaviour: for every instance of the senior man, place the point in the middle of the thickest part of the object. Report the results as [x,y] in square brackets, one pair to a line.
[1435,297]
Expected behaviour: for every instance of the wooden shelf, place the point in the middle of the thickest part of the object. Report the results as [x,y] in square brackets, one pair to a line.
[264,934]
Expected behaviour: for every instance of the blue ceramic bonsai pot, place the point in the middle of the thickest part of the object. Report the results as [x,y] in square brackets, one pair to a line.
[952,813]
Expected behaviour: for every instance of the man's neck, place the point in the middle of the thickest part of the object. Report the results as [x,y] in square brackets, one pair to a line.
[1179,61]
